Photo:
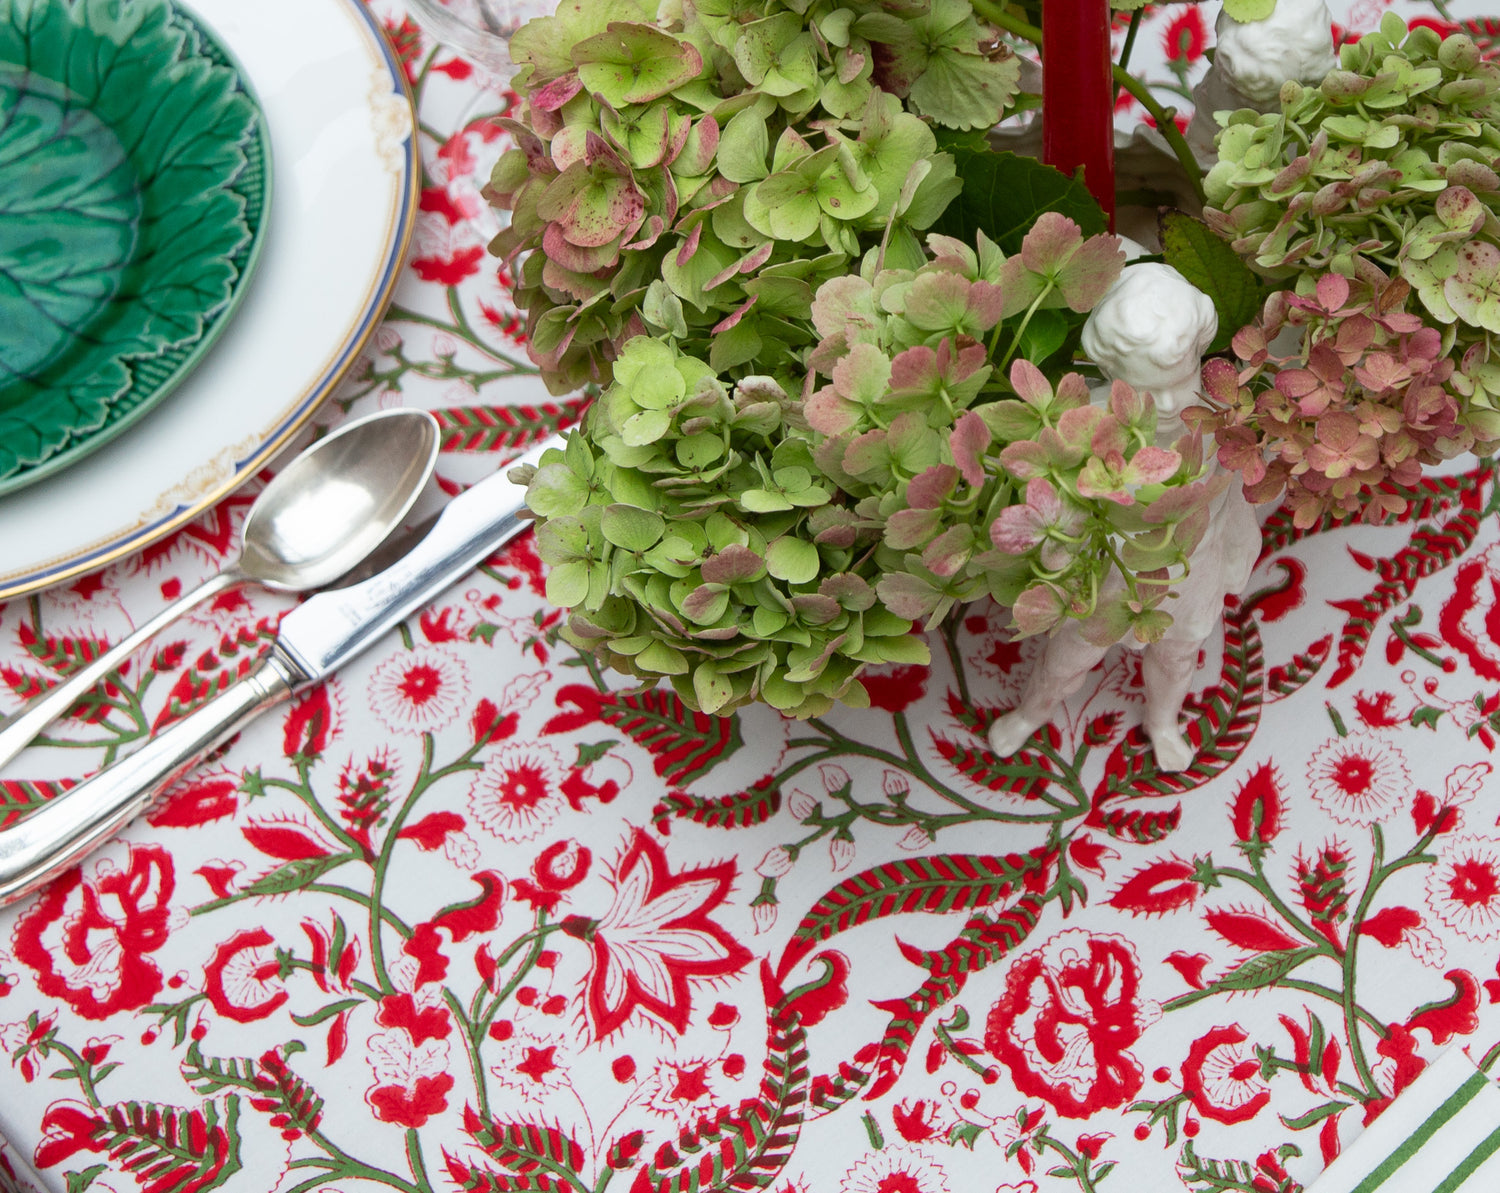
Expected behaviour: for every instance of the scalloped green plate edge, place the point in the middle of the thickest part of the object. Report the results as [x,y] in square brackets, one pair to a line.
[133,405]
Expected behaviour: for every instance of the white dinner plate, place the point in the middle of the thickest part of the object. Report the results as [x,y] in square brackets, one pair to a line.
[344,146]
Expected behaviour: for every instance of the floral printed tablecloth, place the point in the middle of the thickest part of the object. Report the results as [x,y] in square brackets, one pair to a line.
[473,916]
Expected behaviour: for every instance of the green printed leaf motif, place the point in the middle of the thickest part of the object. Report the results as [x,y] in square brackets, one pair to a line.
[122,234]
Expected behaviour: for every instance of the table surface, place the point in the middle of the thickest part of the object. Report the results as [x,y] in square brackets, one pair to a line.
[471,915]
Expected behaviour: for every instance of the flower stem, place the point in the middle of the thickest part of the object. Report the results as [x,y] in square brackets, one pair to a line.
[1167,126]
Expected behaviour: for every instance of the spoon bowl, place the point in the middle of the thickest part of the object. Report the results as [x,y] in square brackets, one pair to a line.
[321,516]
[337,501]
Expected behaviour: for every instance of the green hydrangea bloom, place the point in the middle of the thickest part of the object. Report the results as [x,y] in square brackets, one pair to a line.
[1386,170]
[702,173]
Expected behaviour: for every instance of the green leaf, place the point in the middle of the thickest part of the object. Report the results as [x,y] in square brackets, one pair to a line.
[1004,193]
[1246,11]
[1191,248]
[1046,333]
[295,875]
[965,1133]
[793,560]
[590,752]
[631,529]
[1264,970]
[79,1181]
[325,1013]
[1426,715]
[1315,1115]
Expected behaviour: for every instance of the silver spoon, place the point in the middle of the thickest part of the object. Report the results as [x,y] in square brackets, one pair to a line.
[324,513]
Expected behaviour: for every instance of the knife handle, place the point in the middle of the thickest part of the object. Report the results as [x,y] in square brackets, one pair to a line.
[79,820]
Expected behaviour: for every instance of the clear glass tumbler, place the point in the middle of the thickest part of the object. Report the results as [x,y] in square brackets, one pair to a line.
[480,30]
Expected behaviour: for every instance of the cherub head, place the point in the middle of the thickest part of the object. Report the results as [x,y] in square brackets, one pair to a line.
[1150,330]
[1257,57]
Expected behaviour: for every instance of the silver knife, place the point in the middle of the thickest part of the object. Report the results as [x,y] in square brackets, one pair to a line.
[313,641]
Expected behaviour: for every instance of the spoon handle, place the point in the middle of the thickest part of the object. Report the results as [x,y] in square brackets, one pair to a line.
[17,732]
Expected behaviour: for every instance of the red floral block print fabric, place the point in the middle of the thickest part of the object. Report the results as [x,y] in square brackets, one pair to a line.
[474,916]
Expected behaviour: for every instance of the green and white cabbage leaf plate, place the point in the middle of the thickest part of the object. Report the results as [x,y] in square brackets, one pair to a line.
[134,185]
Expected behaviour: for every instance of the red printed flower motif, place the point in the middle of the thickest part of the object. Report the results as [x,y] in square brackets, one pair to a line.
[88,941]
[682,1090]
[516,796]
[200,800]
[895,687]
[1470,620]
[1186,36]
[915,1120]
[1222,1076]
[898,1169]
[1070,1012]
[656,937]
[419,691]
[310,725]
[1463,888]
[1358,779]
[21,1041]
[67,1129]
[243,980]
[533,1067]
[411,1080]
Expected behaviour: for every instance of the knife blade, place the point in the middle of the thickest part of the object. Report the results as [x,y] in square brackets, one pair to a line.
[313,641]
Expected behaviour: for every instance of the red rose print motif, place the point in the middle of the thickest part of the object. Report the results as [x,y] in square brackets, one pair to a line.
[1070,1012]
[1222,1076]
[88,941]
[243,979]
[656,937]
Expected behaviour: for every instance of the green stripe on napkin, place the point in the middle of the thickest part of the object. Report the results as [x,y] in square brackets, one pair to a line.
[1440,1136]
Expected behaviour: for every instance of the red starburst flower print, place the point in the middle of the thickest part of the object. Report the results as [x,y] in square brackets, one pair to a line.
[1358,779]
[518,793]
[1186,36]
[419,691]
[1070,1012]
[243,979]
[88,941]
[1222,1076]
[899,1169]
[657,937]
[532,1067]
[1463,888]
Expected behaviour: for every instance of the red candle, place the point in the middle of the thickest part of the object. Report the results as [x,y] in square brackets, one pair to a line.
[1078,95]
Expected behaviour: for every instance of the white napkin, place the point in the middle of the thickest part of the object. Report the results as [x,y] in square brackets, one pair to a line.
[1442,1135]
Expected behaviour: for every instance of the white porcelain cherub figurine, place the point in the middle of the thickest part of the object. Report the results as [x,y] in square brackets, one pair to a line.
[1252,59]
[1150,331]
